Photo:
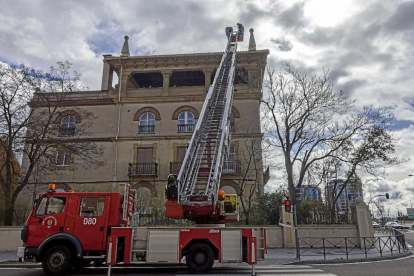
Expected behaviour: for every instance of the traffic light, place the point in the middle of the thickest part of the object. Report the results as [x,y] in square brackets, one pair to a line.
[387,196]
[288,206]
[297,196]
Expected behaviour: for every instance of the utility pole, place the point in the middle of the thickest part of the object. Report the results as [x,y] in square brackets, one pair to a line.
[296,198]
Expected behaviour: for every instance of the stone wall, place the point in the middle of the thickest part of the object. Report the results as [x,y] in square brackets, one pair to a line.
[10,238]
[311,234]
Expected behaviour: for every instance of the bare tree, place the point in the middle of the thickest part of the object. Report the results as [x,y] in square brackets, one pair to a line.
[31,101]
[310,122]
[380,206]
[251,175]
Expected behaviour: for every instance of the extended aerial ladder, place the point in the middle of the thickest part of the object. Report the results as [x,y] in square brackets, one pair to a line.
[199,176]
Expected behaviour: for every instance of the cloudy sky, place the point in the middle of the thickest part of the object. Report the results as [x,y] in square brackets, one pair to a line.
[367,45]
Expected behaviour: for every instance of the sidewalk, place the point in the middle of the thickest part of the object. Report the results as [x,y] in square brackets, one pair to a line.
[8,256]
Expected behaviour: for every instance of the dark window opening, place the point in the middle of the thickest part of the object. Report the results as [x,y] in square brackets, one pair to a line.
[213,75]
[187,78]
[145,80]
[241,76]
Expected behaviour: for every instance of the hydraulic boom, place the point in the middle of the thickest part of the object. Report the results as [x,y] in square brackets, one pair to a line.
[199,176]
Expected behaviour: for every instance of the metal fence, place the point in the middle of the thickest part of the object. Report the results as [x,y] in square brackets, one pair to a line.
[151,220]
[150,168]
[353,247]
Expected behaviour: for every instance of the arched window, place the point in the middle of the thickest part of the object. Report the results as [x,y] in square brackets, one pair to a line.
[67,126]
[146,123]
[185,122]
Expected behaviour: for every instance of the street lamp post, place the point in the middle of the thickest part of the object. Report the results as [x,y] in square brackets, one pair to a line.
[387,196]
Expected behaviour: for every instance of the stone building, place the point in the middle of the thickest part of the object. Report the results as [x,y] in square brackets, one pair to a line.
[146,111]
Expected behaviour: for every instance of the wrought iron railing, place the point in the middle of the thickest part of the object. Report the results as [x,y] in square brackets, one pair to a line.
[185,128]
[230,167]
[146,129]
[143,169]
[351,247]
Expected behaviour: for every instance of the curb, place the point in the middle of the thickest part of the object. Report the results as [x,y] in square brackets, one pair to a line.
[349,261]
[21,265]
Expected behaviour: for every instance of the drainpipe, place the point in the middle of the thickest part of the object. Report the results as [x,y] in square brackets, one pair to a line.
[114,178]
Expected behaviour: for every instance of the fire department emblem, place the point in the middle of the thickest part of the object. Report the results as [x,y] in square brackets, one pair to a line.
[49,221]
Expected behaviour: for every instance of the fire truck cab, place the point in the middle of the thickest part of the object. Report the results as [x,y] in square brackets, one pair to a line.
[71,229]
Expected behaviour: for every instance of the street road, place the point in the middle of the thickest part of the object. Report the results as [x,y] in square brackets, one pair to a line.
[399,267]
[242,271]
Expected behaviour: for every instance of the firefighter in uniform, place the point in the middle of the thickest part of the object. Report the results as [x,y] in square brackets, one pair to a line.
[171,189]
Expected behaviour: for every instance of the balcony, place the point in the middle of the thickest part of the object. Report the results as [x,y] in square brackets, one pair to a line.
[66,131]
[231,167]
[142,169]
[146,129]
[185,128]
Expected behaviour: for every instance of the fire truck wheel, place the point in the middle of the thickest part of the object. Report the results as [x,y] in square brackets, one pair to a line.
[200,258]
[57,260]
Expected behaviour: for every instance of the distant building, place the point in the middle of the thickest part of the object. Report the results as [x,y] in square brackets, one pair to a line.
[348,196]
[310,192]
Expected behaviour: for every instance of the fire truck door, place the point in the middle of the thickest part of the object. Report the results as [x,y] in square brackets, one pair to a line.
[48,219]
[90,221]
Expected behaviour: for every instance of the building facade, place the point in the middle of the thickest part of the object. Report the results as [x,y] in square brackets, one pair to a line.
[310,192]
[348,196]
[145,114]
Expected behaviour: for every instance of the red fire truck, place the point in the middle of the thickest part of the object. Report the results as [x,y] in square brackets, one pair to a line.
[71,229]
[68,230]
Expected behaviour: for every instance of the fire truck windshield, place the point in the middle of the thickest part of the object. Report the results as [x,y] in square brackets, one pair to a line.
[51,205]
[41,206]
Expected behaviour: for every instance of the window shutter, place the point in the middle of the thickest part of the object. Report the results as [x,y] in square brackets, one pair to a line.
[144,155]
[181,153]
